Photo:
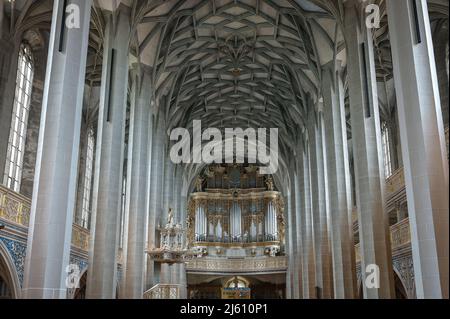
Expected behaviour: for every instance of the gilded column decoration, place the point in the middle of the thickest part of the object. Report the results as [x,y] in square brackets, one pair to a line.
[279,204]
[269,183]
[190,221]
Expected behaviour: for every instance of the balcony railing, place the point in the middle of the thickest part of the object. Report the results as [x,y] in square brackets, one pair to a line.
[396,181]
[162,291]
[80,237]
[14,207]
[400,237]
[263,264]
[245,239]
[400,234]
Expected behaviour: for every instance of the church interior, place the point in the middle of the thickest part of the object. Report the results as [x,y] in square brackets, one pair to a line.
[93,205]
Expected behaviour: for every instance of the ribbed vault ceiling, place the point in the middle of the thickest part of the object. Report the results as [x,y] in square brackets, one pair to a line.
[233,63]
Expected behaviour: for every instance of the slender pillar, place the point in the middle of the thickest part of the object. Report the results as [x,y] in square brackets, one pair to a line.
[176,191]
[137,210]
[349,201]
[295,207]
[155,194]
[104,241]
[307,225]
[290,247]
[321,237]
[166,272]
[299,265]
[53,204]
[344,278]
[368,155]
[183,213]
[322,129]
[423,144]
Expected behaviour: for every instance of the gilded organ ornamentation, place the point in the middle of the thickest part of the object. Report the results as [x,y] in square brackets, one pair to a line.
[247,213]
[279,203]
[269,183]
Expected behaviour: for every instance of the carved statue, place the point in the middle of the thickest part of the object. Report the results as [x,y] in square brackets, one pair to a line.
[170,217]
[272,251]
[188,222]
[198,185]
[269,183]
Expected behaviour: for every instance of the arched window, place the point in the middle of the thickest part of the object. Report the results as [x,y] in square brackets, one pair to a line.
[89,170]
[388,169]
[17,135]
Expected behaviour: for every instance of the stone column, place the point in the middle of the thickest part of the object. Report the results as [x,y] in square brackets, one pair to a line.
[306,230]
[166,272]
[344,278]
[291,282]
[298,230]
[295,208]
[322,129]
[368,155]
[349,192]
[155,193]
[183,213]
[175,269]
[53,204]
[423,144]
[104,240]
[321,237]
[137,180]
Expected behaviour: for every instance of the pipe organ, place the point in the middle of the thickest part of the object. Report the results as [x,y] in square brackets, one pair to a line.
[236,220]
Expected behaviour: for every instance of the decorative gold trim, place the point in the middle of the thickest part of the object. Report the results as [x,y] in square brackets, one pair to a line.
[235,245]
[253,264]
[14,207]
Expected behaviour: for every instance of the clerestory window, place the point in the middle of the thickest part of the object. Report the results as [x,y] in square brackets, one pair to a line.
[21,108]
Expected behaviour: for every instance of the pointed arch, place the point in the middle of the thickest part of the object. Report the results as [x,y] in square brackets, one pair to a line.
[8,272]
